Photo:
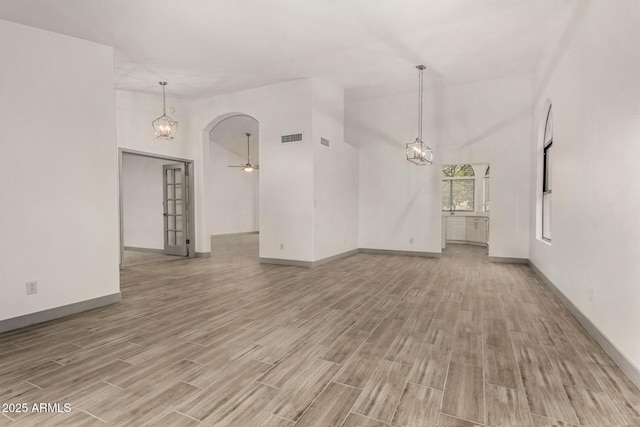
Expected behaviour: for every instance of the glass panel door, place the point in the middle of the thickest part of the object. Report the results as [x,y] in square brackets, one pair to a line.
[175,217]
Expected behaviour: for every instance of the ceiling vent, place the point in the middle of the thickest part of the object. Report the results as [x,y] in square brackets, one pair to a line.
[294,137]
[324,141]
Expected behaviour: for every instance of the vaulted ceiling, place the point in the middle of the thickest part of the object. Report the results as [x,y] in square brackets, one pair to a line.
[369,47]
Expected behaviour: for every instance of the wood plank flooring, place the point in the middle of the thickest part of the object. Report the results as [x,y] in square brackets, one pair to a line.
[370,340]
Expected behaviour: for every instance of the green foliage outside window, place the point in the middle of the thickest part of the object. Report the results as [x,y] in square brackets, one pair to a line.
[458,187]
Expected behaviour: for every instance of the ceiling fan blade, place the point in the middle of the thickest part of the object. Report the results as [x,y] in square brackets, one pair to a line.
[235,166]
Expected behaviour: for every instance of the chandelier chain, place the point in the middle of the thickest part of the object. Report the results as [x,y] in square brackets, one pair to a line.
[420,86]
[164,103]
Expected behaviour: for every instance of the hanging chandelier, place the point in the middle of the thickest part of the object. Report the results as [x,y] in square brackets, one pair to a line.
[418,152]
[164,126]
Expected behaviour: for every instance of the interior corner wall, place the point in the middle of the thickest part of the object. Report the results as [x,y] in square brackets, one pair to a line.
[142,201]
[591,78]
[59,223]
[335,213]
[286,170]
[398,201]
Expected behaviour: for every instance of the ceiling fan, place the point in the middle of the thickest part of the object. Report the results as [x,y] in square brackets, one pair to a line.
[248,167]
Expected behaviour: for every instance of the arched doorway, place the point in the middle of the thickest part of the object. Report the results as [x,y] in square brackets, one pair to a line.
[231,189]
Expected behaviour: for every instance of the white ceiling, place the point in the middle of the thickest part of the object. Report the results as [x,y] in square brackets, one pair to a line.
[369,47]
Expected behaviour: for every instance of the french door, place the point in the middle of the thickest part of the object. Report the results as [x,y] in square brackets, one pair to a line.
[176,206]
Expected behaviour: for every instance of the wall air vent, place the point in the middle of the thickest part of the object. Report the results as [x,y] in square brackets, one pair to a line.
[324,141]
[294,137]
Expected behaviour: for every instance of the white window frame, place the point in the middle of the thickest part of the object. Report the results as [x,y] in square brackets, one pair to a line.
[546,178]
[486,190]
[471,178]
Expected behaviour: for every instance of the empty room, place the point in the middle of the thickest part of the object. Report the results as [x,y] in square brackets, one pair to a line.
[320,213]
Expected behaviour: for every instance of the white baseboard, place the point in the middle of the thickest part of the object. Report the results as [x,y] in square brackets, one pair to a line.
[401,253]
[242,233]
[310,264]
[282,261]
[335,257]
[137,249]
[57,312]
[508,260]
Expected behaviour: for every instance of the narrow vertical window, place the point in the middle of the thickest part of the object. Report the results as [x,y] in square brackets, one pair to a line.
[547,156]
[486,189]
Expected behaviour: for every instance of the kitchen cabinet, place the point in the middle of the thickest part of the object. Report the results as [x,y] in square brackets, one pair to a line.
[467,229]
[456,228]
[477,230]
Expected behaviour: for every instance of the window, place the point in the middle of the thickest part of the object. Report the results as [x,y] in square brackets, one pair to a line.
[458,187]
[486,189]
[547,155]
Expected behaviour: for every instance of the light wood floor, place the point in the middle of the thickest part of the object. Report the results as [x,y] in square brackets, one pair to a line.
[370,340]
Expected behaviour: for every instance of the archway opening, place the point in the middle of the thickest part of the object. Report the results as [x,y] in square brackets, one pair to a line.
[232,186]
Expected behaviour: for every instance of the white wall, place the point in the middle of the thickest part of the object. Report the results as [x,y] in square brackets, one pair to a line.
[591,77]
[335,175]
[233,194]
[59,215]
[142,197]
[292,176]
[398,201]
[484,122]
[286,170]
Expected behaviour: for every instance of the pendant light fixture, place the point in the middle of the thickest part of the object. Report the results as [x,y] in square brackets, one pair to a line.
[164,126]
[418,152]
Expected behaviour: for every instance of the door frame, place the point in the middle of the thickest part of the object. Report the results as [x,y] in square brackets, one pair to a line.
[191,246]
[479,191]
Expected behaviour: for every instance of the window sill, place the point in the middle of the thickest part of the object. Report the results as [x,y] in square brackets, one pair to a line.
[545,241]
[465,213]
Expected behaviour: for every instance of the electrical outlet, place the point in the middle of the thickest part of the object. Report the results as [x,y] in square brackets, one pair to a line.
[591,294]
[32,288]
[411,240]
[281,246]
